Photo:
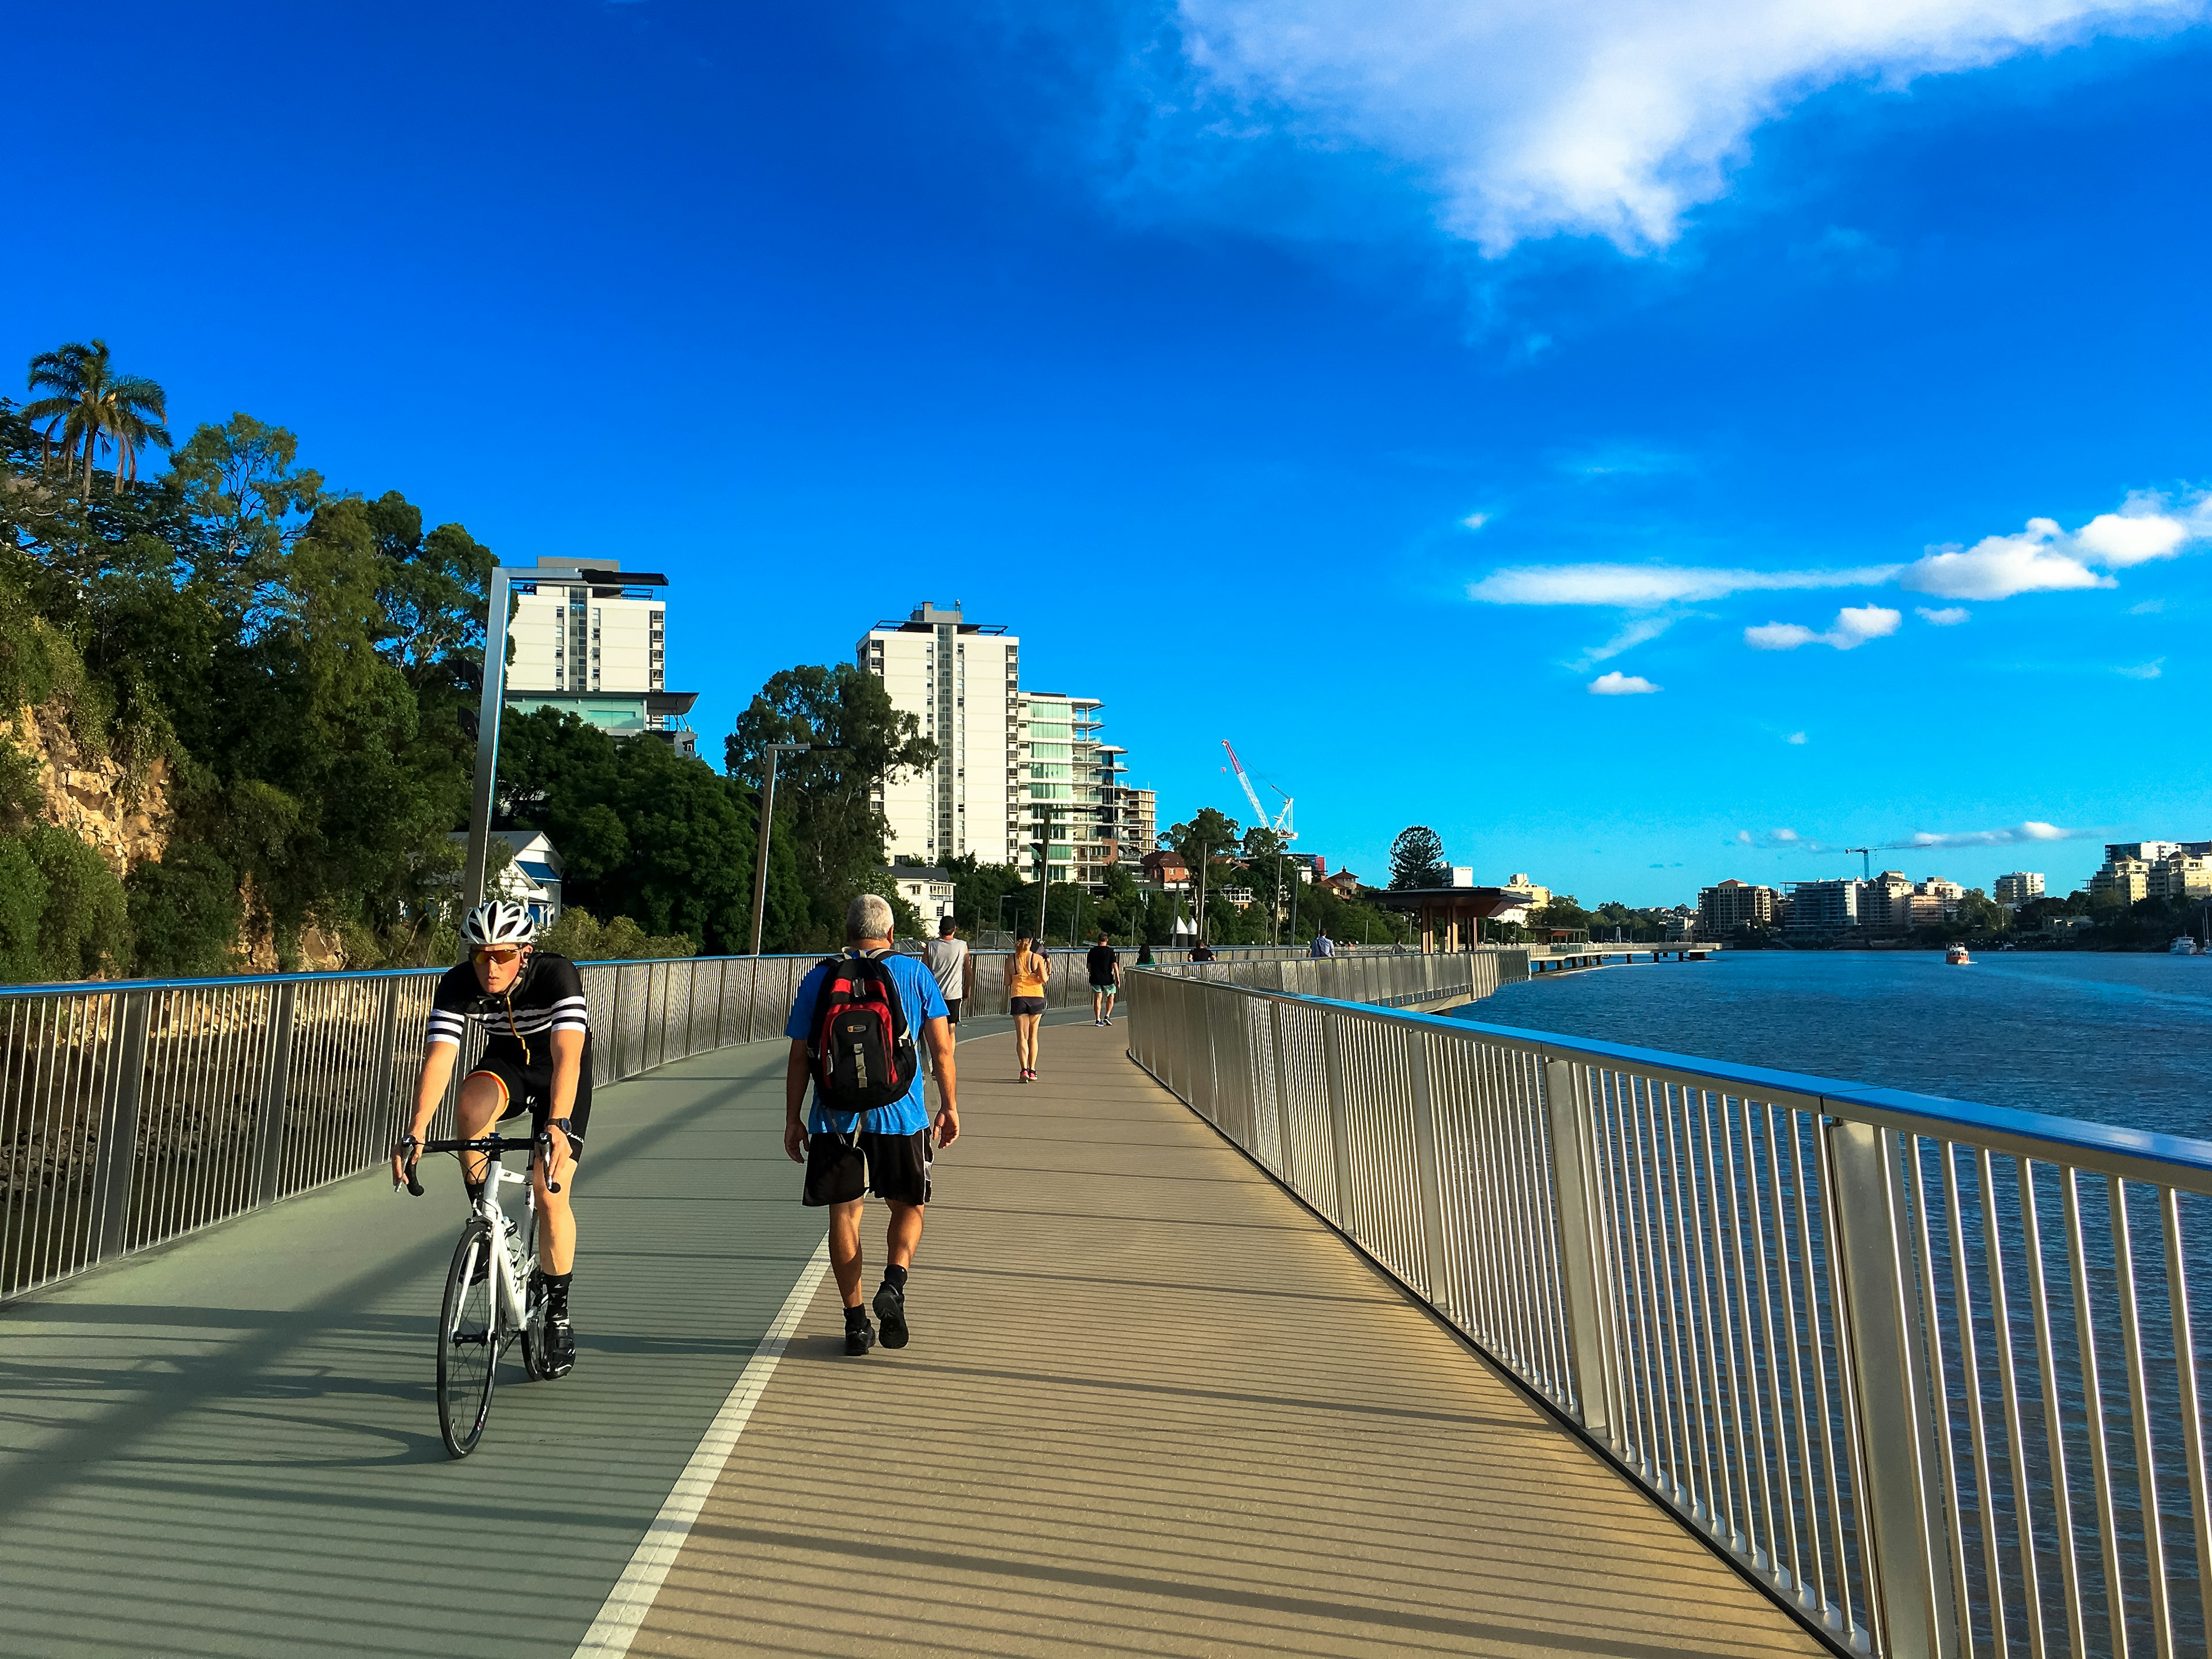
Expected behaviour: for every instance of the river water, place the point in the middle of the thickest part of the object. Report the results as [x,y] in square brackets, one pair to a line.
[2118,1039]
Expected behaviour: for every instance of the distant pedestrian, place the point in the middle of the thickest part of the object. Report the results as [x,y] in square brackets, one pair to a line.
[1201,952]
[948,958]
[1105,965]
[1144,954]
[853,1030]
[1322,946]
[1026,972]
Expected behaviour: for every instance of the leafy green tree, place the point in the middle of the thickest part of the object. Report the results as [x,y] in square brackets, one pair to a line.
[185,913]
[1417,859]
[239,483]
[642,831]
[825,809]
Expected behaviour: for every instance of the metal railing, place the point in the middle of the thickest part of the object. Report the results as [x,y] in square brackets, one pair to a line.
[134,1112]
[1932,1371]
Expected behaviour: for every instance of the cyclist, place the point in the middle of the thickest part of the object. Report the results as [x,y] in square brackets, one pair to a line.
[537,1058]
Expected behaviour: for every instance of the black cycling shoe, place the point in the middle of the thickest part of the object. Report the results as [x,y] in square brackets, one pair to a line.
[560,1344]
[860,1337]
[890,1309]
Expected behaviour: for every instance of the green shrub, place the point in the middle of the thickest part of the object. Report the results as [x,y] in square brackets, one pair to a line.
[84,930]
[184,914]
[582,937]
[22,901]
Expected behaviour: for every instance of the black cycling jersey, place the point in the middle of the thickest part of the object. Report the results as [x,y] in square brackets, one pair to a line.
[518,1025]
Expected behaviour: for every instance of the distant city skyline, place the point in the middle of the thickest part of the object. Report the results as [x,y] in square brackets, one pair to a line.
[1811,455]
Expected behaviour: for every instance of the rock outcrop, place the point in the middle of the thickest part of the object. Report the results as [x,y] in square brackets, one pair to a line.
[125,815]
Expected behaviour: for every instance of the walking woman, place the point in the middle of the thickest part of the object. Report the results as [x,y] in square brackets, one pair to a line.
[1026,975]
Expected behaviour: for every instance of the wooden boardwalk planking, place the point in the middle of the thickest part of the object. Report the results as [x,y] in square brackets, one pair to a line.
[1152,1406]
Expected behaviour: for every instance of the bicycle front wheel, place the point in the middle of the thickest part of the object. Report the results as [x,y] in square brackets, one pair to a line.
[468,1344]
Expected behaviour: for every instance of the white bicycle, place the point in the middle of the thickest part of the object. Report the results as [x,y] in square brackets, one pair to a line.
[493,1293]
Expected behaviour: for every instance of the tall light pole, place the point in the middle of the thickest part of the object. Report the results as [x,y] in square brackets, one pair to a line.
[767,815]
[493,696]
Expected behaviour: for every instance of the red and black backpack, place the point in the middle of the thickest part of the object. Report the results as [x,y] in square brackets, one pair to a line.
[863,1051]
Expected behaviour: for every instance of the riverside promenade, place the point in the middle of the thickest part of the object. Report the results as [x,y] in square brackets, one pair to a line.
[1152,1405]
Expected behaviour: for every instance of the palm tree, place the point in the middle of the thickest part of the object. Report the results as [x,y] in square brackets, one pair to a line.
[87,403]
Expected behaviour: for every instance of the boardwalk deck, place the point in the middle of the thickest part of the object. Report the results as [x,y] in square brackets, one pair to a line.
[1153,1407]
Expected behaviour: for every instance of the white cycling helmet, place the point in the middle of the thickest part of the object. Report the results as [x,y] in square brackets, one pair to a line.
[498,921]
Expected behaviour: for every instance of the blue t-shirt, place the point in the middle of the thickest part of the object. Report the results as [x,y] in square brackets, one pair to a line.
[922,999]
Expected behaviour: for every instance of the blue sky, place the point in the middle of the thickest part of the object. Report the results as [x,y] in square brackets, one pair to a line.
[1365,383]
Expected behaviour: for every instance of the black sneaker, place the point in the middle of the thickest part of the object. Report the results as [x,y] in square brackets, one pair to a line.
[860,1337]
[560,1344]
[890,1307]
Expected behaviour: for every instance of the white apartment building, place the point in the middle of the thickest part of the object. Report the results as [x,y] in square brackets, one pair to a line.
[572,638]
[959,679]
[2016,887]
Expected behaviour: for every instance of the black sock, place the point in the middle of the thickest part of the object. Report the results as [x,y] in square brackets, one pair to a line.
[476,1189]
[855,1318]
[556,1292]
[895,1277]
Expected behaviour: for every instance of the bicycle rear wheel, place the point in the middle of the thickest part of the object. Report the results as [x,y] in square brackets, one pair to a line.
[468,1346]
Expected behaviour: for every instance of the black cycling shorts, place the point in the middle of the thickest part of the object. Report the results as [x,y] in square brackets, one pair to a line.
[1026,1005]
[530,1089]
[840,1168]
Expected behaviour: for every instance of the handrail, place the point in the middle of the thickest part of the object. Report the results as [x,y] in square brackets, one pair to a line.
[1886,1350]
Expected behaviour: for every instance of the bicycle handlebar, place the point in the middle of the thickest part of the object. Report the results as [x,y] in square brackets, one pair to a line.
[497,1145]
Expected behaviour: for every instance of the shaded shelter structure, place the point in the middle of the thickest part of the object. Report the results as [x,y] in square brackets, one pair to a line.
[1452,918]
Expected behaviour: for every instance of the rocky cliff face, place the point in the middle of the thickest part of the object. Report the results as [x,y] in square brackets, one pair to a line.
[127,818]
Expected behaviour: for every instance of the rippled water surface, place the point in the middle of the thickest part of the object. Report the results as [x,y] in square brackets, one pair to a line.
[2121,1039]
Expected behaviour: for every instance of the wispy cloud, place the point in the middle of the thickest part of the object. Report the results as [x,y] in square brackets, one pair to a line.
[1854,626]
[1648,586]
[1640,632]
[2028,833]
[1606,118]
[2144,670]
[1794,736]
[1949,616]
[1474,520]
[2014,835]
[2147,608]
[1617,684]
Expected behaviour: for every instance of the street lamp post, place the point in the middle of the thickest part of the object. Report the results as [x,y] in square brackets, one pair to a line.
[766,816]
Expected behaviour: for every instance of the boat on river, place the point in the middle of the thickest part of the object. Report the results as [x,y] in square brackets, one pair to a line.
[2183,945]
[1957,957]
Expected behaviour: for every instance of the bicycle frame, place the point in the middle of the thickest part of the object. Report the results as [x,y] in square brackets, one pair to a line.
[507,1265]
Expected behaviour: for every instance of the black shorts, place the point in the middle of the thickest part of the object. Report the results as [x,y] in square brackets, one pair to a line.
[840,1168]
[1027,1004]
[953,1011]
[530,1089]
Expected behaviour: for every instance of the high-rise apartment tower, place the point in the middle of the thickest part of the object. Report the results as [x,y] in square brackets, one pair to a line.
[959,679]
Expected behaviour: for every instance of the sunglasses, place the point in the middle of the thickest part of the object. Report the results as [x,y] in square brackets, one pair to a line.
[499,954]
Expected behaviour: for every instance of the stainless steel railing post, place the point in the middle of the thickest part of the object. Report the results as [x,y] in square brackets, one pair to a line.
[1917,1606]
[1339,1132]
[1581,1271]
[1436,1266]
[277,1092]
[1277,1054]
[388,1050]
[119,1133]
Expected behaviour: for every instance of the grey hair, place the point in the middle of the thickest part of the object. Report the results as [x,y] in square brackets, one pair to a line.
[868,916]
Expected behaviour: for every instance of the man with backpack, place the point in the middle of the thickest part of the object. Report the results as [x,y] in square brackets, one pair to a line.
[853,1031]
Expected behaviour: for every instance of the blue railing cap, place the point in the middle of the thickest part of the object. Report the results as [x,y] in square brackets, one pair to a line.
[1834,1094]
[111,987]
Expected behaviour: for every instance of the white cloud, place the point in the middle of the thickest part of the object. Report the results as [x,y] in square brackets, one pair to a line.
[2144,670]
[1794,736]
[1611,117]
[1855,625]
[1475,520]
[2045,559]
[1949,616]
[1617,684]
[1646,586]
[2147,608]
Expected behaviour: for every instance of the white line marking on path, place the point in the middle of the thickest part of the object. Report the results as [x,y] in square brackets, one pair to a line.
[632,1597]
